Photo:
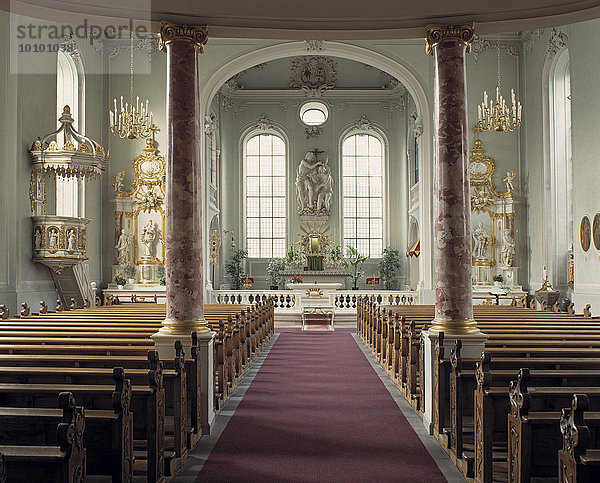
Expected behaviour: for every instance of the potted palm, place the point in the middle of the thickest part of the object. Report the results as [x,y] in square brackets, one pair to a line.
[498,279]
[355,261]
[233,267]
[389,264]
[160,274]
[129,271]
[274,269]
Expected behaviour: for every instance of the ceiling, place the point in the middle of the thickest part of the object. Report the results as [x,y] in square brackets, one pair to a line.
[329,19]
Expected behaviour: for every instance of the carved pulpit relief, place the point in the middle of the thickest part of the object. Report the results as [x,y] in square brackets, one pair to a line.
[314,185]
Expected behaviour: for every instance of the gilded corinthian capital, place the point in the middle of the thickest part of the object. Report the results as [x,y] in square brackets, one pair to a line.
[196,34]
[437,34]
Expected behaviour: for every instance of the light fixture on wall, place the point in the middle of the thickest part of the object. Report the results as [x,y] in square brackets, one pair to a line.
[131,120]
[499,116]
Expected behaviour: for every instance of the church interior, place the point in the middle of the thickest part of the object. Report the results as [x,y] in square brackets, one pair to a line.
[299,242]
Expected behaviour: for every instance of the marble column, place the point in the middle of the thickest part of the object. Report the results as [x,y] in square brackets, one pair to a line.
[451,196]
[183,215]
[451,203]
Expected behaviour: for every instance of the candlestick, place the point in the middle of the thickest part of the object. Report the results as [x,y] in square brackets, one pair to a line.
[544,273]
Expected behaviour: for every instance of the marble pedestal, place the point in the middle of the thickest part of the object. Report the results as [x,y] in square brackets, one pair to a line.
[165,345]
[472,347]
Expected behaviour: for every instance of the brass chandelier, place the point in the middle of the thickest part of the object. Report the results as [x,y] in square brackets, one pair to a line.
[131,120]
[499,116]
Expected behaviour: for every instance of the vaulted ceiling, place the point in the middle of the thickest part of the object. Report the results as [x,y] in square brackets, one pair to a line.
[331,19]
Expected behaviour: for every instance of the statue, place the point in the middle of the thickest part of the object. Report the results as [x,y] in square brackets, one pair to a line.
[480,241]
[149,235]
[122,248]
[53,245]
[37,238]
[508,249]
[510,175]
[71,240]
[118,184]
[314,185]
[324,187]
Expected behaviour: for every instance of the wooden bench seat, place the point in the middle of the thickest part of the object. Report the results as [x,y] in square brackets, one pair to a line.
[61,462]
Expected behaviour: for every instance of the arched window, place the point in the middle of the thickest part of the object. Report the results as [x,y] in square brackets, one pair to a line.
[70,195]
[560,162]
[362,193]
[265,165]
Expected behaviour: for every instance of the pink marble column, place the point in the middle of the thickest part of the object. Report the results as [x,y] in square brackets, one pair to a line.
[451,197]
[183,217]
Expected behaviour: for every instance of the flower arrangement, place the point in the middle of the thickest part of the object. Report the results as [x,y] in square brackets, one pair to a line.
[296,279]
[160,273]
[336,255]
[129,271]
[498,278]
[292,257]
[120,280]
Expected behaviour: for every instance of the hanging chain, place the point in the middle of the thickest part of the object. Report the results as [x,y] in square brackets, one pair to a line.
[131,71]
[499,63]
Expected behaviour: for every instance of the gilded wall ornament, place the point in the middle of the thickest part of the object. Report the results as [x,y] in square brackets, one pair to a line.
[169,32]
[437,34]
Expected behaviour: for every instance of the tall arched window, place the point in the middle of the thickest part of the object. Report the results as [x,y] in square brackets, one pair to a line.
[362,192]
[70,195]
[265,164]
[560,162]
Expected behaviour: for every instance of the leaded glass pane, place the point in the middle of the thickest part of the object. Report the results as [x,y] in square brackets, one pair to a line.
[265,167]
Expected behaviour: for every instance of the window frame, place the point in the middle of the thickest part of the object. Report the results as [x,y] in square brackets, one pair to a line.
[382,138]
[243,201]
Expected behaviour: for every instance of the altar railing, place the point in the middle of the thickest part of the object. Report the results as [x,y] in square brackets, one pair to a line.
[340,299]
[346,299]
[283,299]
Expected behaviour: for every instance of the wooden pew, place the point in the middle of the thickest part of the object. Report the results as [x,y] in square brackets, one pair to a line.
[64,462]
[579,458]
[108,439]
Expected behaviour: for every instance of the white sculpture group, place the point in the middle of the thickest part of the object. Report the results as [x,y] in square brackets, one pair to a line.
[314,185]
[150,235]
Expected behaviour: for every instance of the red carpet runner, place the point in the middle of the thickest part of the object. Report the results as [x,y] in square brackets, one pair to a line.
[317,411]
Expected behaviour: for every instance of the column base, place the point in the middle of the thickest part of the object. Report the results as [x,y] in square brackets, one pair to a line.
[454,327]
[164,342]
[472,347]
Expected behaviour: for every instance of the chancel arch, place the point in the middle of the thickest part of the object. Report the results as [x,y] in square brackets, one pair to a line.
[361,54]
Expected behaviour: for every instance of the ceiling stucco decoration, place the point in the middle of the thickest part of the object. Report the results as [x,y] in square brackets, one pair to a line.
[229,104]
[264,123]
[287,105]
[530,37]
[211,124]
[363,124]
[148,45]
[481,45]
[557,41]
[233,84]
[399,104]
[314,45]
[313,74]
[415,124]
[331,20]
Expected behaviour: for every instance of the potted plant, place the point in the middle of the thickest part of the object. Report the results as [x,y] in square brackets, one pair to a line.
[498,279]
[274,269]
[233,267]
[160,274]
[388,266]
[120,281]
[296,279]
[355,260]
[130,272]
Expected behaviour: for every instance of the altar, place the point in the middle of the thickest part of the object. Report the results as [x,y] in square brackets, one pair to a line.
[327,276]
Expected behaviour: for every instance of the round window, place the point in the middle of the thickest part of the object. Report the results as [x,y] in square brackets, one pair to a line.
[314,113]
